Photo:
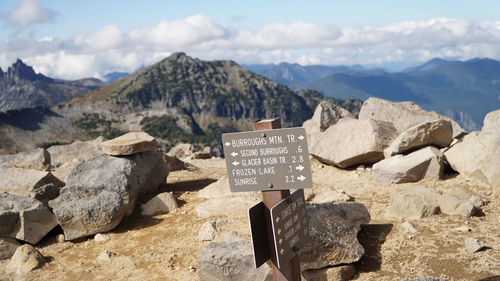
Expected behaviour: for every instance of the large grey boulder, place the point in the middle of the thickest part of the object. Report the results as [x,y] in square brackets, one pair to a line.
[438,133]
[333,230]
[352,142]
[403,115]
[130,143]
[87,210]
[24,218]
[22,181]
[477,155]
[229,261]
[38,159]
[131,176]
[115,174]
[424,163]
[325,115]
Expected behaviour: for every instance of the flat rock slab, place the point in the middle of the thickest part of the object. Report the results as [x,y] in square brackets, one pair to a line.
[403,115]
[22,181]
[353,142]
[129,144]
[424,163]
[229,261]
[333,230]
[82,211]
[38,159]
[438,133]
[24,218]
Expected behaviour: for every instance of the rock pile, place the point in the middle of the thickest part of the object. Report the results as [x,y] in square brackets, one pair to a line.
[99,190]
[407,144]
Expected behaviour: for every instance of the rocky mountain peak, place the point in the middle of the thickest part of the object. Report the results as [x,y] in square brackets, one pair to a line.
[23,71]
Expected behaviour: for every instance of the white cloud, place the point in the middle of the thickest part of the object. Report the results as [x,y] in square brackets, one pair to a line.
[114,49]
[29,12]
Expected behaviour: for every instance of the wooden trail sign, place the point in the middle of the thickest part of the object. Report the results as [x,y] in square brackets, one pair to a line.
[267,160]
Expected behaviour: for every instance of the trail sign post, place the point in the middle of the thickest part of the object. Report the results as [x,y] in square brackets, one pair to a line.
[272,160]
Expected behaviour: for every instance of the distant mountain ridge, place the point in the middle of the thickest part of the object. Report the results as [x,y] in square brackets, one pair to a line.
[465,91]
[179,99]
[21,87]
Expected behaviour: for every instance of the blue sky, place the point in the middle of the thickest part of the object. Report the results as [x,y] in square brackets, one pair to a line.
[74,39]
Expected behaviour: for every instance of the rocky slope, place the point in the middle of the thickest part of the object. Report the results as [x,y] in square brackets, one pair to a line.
[179,99]
[21,87]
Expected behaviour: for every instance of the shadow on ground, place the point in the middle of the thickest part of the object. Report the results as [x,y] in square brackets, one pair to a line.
[372,237]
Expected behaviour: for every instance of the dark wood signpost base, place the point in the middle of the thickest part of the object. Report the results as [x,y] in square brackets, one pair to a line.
[290,271]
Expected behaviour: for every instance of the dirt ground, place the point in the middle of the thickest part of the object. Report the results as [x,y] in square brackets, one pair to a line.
[165,247]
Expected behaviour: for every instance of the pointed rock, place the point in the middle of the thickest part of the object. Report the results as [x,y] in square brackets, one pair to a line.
[433,133]
[26,259]
[403,115]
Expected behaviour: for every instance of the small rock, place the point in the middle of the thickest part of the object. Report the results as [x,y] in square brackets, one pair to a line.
[414,202]
[409,227]
[7,247]
[324,194]
[473,245]
[337,273]
[176,164]
[216,189]
[181,150]
[60,238]
[99,237]
[26,259]
[227,261]
[208,231]
[452,204]
[463,229]
[105,256]
[476,201]
[130,143]
[201,155]
[160,204]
